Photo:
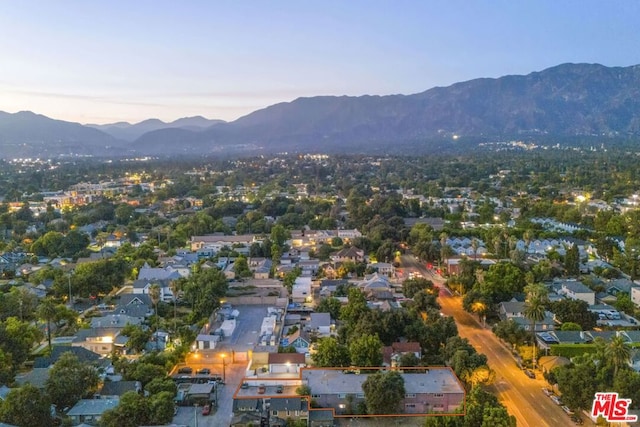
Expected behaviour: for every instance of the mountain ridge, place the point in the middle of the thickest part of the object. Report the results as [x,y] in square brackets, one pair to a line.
[564,101]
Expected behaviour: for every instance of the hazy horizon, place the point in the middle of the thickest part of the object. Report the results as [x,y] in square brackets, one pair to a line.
[106,63]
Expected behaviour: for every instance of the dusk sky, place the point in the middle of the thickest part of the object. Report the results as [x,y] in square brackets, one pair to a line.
[101,62]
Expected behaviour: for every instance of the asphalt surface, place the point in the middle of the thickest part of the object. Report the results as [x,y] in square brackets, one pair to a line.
[522,396]
[244,338]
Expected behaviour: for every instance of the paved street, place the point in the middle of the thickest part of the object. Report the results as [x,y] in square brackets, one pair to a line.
[243,339]
[521,395]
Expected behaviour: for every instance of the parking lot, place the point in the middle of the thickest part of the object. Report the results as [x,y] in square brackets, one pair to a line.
[243,339]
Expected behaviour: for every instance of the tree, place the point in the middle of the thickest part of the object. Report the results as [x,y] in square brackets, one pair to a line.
[241,267]
[366,350]
[578,383]
[355,308]
[174,285]
[154,295]
[623,303]
[203,290]
[159,385]
[133,410]
[330,305]
[410,287]
[330,353]
[510,331]
[572,261]
[47,312]
[26,406]
[570,326]
[535,309]
[383,392]
[576,311]
[501,281]
[70,380]
[17,339]
[138,337]
[618,353]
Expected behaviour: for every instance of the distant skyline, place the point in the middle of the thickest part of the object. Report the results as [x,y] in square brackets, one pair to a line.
[103,62]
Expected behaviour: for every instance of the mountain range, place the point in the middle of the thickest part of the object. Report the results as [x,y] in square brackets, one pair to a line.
[565,101]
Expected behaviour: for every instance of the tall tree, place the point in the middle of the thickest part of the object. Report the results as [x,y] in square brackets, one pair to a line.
[70,380]
[534,310]
[26,406]
[572,261]
[154,294]
[383,392]
[366,350]
[47,312]
[618,354]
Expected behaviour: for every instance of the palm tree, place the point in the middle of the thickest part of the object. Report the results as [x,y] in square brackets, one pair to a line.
[618,353]
[174,285]
[154,294]
[534,310]
[47,312]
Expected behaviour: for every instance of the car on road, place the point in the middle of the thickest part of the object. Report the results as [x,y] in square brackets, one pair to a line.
[577,420]
[530,374]
[206,409]
[567,410]
[547,392]
[556,399]
[185,370]
[203,371]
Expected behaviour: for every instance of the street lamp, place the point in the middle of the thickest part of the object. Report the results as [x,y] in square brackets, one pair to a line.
[224,376]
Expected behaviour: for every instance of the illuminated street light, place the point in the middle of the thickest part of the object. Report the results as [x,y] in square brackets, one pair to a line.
[224,376]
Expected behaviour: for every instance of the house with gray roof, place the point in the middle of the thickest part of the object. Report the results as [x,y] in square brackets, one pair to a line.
[436,390]
[574,289]
[90,410]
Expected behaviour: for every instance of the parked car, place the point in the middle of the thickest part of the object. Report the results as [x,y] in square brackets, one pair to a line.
[185,370]
[530,374]
[262,389]
[203,371]
[279,389]
[577,420]
[556,399]
[567,410]
[244,386]
[206,409]
[547,391]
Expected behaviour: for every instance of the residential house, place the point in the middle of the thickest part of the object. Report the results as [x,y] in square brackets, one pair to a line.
[436,390]
[101,340]
[216,242]
[382,268]
[134,305]
[320,324]
[286,363]
[309,267]
[57,351]
[289,407]
[261,267]
[635,294]
[143,286]
[514,310]
[298,339]
[391,354]
[350,254]
[574,289]
[301,291]
[115,389]
[90,411]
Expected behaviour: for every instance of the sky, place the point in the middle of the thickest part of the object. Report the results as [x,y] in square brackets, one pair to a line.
[109,61]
